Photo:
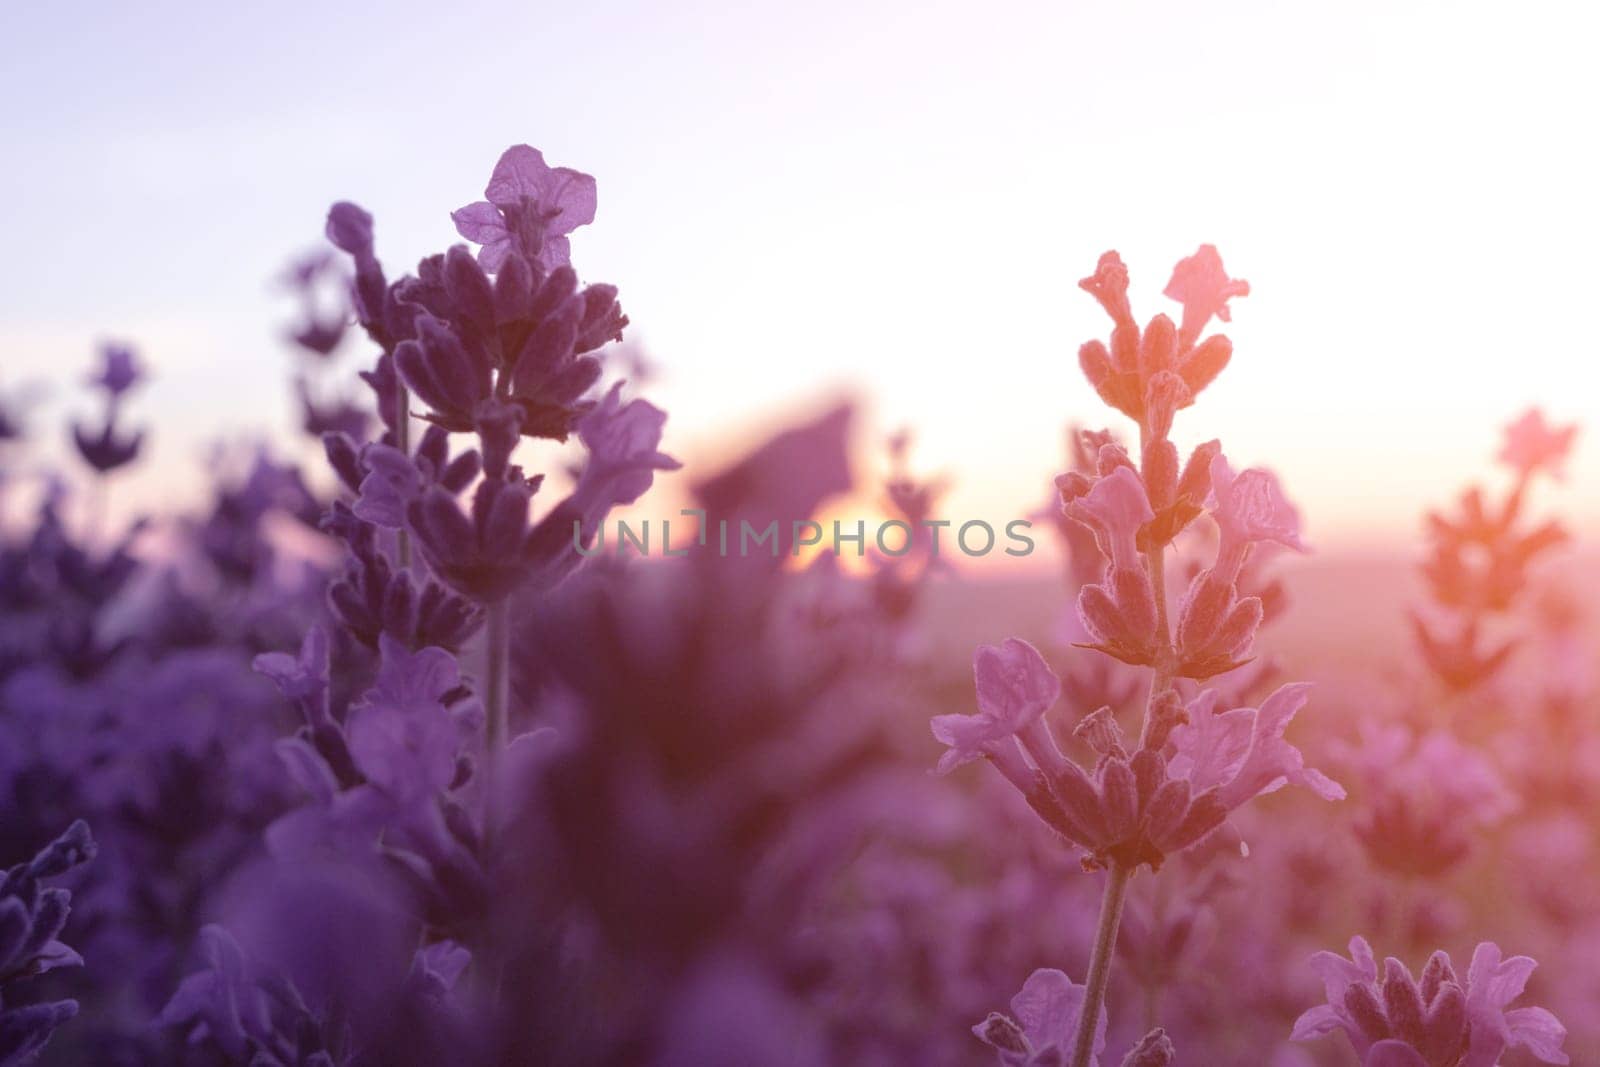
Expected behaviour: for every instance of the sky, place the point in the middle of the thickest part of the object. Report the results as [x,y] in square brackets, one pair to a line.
[890,201]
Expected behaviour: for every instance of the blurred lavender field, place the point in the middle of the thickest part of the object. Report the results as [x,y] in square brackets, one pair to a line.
[387,756]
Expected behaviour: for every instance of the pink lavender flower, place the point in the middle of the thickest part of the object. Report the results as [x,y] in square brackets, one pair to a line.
[1203,287]
[1454,650]
[1426,801]
[1120,612]
[1437,1021]
[530,208]
[1189,770]
[1242,753]
[1250,507]
[1153,1050]
[1533,445]
[1115,508]
[1216,626]
[1044,1017]
[1149,375]
[1015,688]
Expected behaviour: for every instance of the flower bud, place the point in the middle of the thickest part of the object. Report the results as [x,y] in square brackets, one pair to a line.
[1195,481]
[1153,1050]
[1202,610]
[1164,395]
[469,288]
[1136,600]
[1120,797]
[1110,457]
[1095,362]
[1161,473]
[1402,1003]
[1166,810]
[1158,349]
[1071,486]
[1362,1005]
[1201,367]
[1002,1033]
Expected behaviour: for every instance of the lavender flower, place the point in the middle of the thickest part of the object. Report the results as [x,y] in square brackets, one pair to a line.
[1140,803]
[1044,1016]
[1533,445]
[119,370]
[1437,1021]
[1242,753]
[31,918]
[529,210]
[1015,688]
[107,448]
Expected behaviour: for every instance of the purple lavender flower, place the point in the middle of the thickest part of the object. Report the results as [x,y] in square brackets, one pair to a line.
[31,918]
[320,330]
[624,442]
[525,338]
[372,598]
[1427,801]
[403,737]
[1044,1016]
[391,480]
[529,210]
[119,370]
[1153,1050]
[319,417]
[485,554]
[106,448]
[350,229]
[1437,1021]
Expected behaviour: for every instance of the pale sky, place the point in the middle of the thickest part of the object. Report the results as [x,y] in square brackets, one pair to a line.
[894,199]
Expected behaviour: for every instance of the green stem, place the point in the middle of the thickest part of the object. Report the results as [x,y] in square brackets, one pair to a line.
[1105,942]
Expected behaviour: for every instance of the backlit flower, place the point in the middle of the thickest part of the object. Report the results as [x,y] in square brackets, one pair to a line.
[529,208]
[1015,688]
[1534,445]
[1044,1018]
[1437,1021]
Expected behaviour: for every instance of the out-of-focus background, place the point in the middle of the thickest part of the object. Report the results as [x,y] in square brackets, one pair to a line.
[889,200]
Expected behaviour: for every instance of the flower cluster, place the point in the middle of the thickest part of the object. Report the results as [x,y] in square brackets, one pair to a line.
[1479,561]
[106,448]
[405,771]
[1192,764]
[31,919]
[1439,1020]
